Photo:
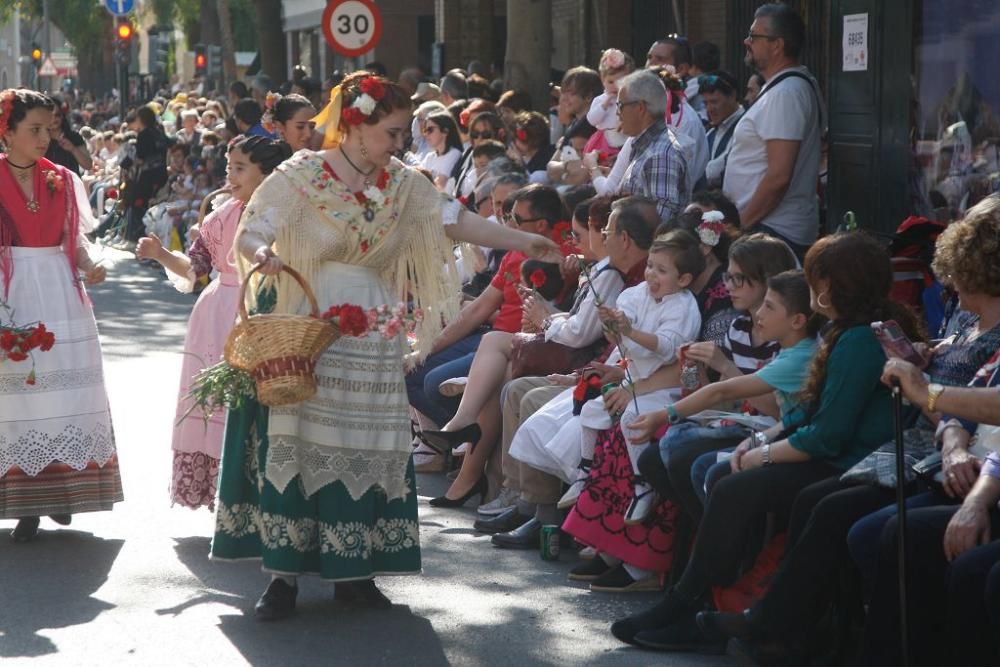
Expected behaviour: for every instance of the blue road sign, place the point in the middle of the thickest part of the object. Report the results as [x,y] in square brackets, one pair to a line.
[119,7]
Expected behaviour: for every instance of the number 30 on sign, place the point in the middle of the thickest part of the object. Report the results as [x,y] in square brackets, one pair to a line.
[352,27]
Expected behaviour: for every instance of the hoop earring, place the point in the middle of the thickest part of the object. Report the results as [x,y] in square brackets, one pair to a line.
[819,300]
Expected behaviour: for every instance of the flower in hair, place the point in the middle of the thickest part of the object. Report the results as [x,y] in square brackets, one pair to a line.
[267,120]
[6,107]
[372,87]
[521,134]
[370,92]
[613,59]
[711,227]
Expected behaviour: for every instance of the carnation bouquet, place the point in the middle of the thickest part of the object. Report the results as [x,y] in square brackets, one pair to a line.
[18,342]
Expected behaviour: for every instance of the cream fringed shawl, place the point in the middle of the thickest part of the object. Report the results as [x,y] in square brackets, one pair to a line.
[310,218]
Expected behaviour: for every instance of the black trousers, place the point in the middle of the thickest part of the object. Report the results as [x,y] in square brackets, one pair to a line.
[806,583]
[731,517]
[953,609]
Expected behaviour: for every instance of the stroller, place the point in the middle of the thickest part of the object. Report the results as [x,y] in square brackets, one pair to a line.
[912,251]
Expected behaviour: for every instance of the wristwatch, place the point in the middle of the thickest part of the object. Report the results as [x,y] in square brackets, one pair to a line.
[765,455]
[934,391]
[760,439]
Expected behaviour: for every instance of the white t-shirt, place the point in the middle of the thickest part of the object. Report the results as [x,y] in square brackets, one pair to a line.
[791,112]
[441,164]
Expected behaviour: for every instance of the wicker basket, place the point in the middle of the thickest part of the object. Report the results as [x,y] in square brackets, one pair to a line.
[280,351]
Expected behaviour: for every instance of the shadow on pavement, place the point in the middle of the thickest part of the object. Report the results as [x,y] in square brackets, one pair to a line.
[49,583]
[323,631]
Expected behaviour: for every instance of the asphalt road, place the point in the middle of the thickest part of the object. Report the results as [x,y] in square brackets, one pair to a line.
[135,587]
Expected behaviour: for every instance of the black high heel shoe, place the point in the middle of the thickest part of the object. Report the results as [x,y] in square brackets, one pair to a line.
[480,487]
[444,441]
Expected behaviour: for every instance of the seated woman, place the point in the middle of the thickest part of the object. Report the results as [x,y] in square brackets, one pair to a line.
[954,606]
[848,414]
[477,419]
[530,145]
[445,146]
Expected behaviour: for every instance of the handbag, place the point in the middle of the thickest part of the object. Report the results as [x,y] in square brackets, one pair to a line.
[533,356]
[879,467]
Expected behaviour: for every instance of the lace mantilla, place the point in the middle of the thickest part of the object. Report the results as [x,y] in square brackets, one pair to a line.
[318,466]
[76,444]
[346,540]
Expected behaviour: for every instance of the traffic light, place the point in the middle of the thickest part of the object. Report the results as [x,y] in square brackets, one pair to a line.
[36,55]
[214,61]
[159,53]
[123,41]
[200,61]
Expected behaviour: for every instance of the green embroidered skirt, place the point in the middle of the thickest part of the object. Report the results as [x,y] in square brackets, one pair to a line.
[327,533]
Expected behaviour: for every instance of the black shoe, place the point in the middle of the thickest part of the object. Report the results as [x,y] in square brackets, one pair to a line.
[589,570]
[618,580]
[682,636]
[722,627]
[26,529]
[362,594]
[502,523]
[668,610]
[480,487]
[62,519]
[444,441]
[525,536]
[278,601]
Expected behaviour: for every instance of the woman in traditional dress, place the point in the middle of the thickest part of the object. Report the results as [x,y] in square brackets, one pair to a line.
[326,486]
[197,441]
[57,449]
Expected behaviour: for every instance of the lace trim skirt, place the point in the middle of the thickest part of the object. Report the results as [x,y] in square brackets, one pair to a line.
[328,532]
[60,489]
[59,414]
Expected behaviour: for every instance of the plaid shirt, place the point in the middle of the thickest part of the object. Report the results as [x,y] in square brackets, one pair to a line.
[658,170]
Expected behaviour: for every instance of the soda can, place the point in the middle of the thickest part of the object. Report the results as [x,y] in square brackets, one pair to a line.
[549,539]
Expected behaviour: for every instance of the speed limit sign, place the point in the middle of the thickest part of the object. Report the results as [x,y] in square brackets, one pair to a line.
[352,27]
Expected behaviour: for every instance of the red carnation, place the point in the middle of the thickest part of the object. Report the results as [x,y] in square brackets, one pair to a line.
[537,278]
[373,87]
[521,134]
[17,356]
[353,320]
[48,341]
[7,341]
[580,390]
[352,116]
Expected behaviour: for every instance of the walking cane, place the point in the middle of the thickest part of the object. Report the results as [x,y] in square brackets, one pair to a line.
[897,418]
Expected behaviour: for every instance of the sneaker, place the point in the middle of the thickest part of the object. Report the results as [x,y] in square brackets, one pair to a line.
[618,580]
[642,505]
[453,387]
[589,570]
[507,499]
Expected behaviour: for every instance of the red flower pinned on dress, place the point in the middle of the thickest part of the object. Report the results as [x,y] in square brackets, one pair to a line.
[521,134]
[373,87]
[54,182]
[352,116]
[537,278]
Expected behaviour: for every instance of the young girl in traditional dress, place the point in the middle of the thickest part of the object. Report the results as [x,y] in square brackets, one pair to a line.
[57,448]
[652,321]
[197,441]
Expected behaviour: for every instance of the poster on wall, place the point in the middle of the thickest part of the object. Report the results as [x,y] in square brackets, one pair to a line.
[856,53]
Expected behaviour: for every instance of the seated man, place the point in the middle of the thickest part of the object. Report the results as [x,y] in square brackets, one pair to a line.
[537,209]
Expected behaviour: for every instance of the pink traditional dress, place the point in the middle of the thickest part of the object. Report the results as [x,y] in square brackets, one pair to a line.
[197,441]
[57,447]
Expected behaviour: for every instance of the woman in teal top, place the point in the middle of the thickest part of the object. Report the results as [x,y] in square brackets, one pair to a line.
[848,414]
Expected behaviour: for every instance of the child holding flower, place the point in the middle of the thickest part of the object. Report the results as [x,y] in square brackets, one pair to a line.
[197,438]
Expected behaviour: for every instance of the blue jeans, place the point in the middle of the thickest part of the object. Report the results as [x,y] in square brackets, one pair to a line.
[707,470]
[422,382]
[681,446]
[865,535]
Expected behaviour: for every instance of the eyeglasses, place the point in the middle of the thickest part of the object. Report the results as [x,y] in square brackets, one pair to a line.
[480,135]
[737,280]
[622,105]
[523,221]
[430,129]
[752,36]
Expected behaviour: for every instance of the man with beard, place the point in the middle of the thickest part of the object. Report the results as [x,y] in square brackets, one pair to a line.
[773,165]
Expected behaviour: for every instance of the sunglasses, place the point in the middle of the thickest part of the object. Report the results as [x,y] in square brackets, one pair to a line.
[480,135]
[715,82]
[523,221]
